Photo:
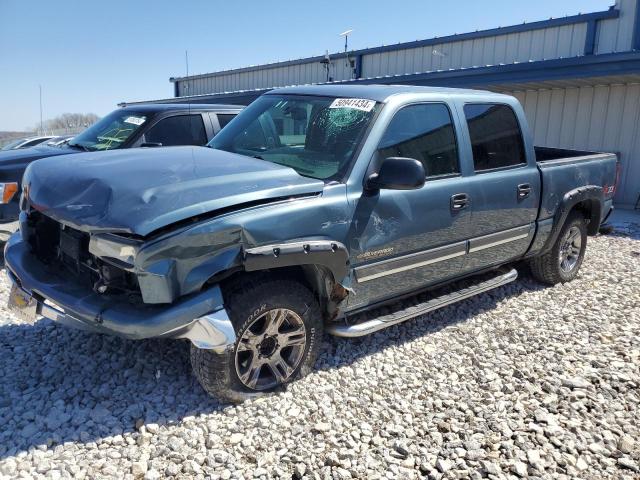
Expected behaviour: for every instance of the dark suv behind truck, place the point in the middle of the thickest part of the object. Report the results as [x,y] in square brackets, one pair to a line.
[128,127]
[313,205]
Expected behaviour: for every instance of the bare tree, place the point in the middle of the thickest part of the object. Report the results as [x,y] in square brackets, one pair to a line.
[69,123]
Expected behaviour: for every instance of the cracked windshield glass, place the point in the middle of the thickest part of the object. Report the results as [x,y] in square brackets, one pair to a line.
[316,136]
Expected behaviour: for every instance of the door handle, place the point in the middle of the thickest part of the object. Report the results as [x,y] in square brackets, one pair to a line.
[459,201]
[524,189]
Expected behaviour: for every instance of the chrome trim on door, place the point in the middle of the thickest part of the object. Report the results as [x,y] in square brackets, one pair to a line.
[411,261]
[494,239]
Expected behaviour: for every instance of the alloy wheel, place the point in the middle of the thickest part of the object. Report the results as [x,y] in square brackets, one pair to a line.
[270,349]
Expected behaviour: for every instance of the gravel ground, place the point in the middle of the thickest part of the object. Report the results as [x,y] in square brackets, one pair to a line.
[523,381]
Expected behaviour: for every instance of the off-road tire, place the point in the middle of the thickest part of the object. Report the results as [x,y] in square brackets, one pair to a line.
[546,268]
[245,302]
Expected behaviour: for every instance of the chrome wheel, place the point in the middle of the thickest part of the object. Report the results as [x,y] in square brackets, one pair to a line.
[270,349]
[570,248]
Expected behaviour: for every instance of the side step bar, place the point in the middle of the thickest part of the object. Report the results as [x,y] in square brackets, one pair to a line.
[384,321]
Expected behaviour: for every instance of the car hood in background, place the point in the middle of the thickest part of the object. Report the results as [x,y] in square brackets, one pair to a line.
[141,190]
[24,156]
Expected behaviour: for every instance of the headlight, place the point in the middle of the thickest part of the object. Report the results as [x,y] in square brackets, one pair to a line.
[117,250]
[7,191]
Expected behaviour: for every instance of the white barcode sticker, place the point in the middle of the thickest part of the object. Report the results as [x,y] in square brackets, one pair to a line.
[355,103]
[135,120]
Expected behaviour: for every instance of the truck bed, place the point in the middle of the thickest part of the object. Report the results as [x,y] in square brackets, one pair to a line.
[549,154]
[563,170]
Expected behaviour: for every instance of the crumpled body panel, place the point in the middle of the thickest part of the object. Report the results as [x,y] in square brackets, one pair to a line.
[139,191]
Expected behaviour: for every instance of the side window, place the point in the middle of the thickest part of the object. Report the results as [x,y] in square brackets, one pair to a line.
[496,139]
[424,132]
[224,118]
[178,130]
[33,142]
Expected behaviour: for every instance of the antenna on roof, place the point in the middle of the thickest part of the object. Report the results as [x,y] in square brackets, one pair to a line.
[350,63]
[326,63]
[346,39]
[186,62]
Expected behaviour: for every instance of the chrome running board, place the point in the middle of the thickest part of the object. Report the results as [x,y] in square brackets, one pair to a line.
[384,321]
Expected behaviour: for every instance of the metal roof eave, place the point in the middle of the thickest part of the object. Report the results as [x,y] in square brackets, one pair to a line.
[610,64]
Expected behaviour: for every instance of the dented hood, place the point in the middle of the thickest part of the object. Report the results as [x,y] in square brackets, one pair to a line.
[141,190]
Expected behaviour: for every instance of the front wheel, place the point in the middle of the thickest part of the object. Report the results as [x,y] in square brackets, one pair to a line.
[562,263]
[278,333]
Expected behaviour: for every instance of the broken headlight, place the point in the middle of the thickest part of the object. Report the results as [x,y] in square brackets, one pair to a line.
[114,249]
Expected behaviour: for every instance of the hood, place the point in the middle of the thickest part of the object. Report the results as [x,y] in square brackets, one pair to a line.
[24,156]
[141,190]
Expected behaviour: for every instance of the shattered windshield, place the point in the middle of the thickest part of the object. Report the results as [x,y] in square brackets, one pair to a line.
[110,132]
[316,136]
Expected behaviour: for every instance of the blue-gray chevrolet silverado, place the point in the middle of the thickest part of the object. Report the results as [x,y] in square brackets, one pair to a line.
[314,205]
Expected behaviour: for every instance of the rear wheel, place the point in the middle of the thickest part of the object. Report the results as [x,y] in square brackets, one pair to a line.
[562,263]
[278,332]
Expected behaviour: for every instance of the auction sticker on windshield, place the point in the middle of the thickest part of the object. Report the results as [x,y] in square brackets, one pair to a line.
[355,103]
[135,120]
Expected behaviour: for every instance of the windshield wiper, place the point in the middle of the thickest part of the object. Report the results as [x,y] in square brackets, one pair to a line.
[77,145]
[258,157]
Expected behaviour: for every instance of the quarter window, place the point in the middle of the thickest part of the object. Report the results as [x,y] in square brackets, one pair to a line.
[178,130]
[424,132]
[496,139]
[224,118]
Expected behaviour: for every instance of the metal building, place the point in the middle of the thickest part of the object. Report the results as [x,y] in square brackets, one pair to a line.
[578,78]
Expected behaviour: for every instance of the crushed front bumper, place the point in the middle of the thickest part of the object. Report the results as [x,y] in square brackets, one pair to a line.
[199,317]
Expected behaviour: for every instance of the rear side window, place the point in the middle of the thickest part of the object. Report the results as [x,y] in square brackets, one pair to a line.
[424,132]
[33,142]
[496,139]
[224,118]
[178,130]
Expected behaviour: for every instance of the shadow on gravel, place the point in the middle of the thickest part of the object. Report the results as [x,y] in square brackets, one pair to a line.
[61,385]
[339,352]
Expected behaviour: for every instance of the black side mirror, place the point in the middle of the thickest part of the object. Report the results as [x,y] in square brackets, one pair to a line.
[398,173]
[151,144]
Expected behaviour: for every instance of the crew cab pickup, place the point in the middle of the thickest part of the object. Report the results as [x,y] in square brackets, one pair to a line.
[315,206]
[149,125]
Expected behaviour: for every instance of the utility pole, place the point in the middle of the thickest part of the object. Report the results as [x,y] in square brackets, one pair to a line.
[41,129]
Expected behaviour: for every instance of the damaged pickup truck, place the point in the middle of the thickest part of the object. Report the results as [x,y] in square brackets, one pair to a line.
[314,205]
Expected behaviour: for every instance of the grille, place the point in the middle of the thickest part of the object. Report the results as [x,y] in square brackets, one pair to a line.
[64,248]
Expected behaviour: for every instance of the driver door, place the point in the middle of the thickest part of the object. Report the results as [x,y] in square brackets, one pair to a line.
[404,240]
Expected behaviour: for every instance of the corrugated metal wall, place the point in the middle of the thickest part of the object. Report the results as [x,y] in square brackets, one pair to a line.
[615,35]
[602,118]
[565,41]
[265,77]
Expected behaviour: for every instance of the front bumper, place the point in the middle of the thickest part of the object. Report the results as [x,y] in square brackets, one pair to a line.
[199,317]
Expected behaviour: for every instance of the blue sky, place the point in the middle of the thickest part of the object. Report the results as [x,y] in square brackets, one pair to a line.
[90,55]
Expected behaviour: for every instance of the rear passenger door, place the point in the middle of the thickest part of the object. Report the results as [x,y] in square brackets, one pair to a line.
[504,190]
[178,130]
[403,240]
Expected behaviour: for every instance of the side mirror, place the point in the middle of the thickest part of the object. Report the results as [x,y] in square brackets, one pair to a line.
[151,144]
[398,173]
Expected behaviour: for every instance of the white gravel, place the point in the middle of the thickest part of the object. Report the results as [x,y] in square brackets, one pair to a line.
[523,381]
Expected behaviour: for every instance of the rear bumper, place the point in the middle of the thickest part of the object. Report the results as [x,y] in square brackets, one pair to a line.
[200,317]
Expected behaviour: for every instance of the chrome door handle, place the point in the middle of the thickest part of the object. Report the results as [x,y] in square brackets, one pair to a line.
[459,201]
[524,189]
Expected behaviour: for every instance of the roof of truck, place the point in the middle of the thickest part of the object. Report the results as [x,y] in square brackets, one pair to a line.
[164,107]
[379,93]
